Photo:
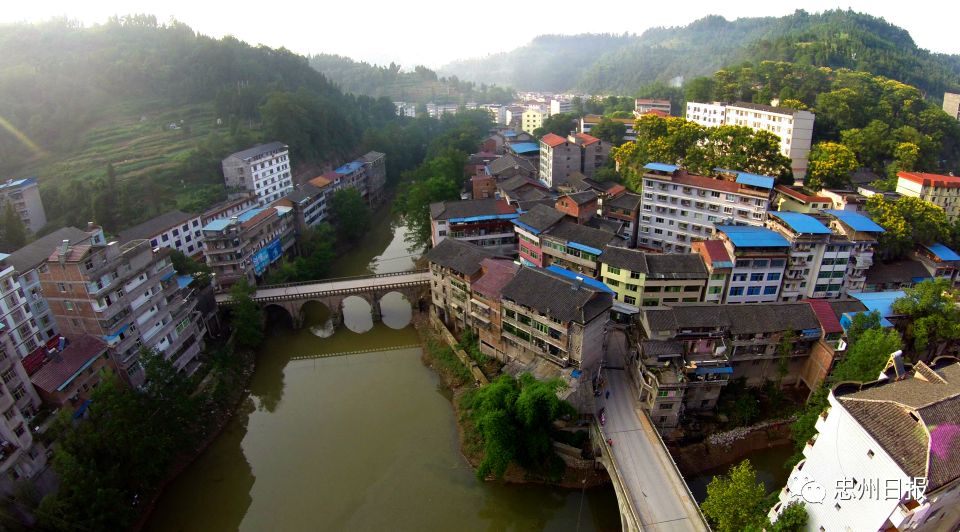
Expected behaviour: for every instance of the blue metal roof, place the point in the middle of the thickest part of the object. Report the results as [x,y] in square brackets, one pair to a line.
[882,302]
[349,168]
[583,247]
[217,225]
[526,227]
[525,147]
[748,236]
[942,252]
[856,221]
[755,180]
[661,167]
[801,223]
[17,182]
[184,281]
[247,215]
[485,217]
[723,370]
[586,280]
[509,133]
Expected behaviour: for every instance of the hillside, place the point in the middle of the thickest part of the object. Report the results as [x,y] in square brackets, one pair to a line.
[160,105]
[420,86]
[608,64]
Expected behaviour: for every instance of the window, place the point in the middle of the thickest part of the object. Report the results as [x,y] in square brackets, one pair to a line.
[611,282]
[62,287]
[739,277]
[651,289]
[870,453]
[666,406]
[630,300]
[769,290]
[662,393]
[18,392]
[633,287]
[755,277]
[777,263]
[713,290]
[753,290]
[651,302]
[775,276]
[736,291]
[691,288]
[614,271]
[10,414]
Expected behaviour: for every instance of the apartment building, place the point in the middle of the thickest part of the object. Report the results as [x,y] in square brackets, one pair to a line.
[593,153]
[309,202]
[624,208]
[798,199]
[560,106]
[793,127]
[862,233]
[550,316]
[558,159]
[237,203]
[951,104]
[818,261]
[642,106]
[530,227]
[574,247]
[719,266]
[488,223]
[650,280]
[454,266]
[759,262]
[588,122]
[175,229]
[21,457]
[940,261]
[375,166]
[485,304]
[940,190]
[23,333]
[263,169]
[71,371]
[899,468]
[128,295]
[24,196]
[532,120]
[679,208]
[244,246]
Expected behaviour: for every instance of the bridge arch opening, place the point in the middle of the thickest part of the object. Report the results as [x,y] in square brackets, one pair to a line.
[278,316]
[318,317]
[357,314]
[396,310]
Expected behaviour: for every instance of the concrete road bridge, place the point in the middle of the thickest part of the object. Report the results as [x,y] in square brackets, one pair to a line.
[293,297]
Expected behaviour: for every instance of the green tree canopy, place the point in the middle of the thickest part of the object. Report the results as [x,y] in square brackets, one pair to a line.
[908,221]
[13,234]
[610,131]
[792,518]
[865,359]
[559,124]
[246,316]
[351,214]
[830,166]
[931,314]
[735,501]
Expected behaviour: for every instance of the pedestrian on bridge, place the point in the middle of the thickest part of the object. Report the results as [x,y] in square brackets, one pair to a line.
[608,394]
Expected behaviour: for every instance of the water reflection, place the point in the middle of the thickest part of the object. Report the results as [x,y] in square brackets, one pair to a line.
[396,310]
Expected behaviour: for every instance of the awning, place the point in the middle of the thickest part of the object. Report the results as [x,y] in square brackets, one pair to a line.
[714,370]
[624,308]
[583,247]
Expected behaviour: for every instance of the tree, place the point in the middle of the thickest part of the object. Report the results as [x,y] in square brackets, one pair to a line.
[931,314]
[185,265]
[735,501]
[792,518]
[908,221]
[246,316]
[413,202]
[861,323]
[13,234]
[351,214]
[559,124]
[830,166]
[865,359]
[610,131]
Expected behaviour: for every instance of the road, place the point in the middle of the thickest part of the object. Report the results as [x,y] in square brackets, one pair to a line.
[335,285]
[658,492]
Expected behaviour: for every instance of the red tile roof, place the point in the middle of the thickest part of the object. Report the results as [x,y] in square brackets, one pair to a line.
[800,196]
[552,140]
[656,112]
[321,181]
[721,185]
[496,274]
[616,190]
[716,251]
[586,139]
[824,312]
[936,180]
[260,216]
[60,370]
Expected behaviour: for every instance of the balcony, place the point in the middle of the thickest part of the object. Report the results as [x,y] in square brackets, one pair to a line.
[864,260]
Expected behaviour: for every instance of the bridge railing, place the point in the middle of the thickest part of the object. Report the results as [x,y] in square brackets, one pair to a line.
[335,279]
[663,445]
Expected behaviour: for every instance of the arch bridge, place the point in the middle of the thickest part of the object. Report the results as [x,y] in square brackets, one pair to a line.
[292,297]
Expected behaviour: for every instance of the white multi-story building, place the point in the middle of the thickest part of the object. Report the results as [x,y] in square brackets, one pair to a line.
[263,169]
[20,456]
[862,233]
[559,106]
[792,126]
[759,260]
[941,190]
[678,208]
[22,330]
[818,261]
[24,196]
[645,105]
[885,456]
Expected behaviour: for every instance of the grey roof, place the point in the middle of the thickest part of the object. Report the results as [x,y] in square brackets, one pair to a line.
[556,296]
[842,306]
[605,224]
[461,257]
[676,266]
[652,348]
[259,149]
[911,419]
[509,161]
[533,194]
[529,205]
[444,210]
[303,192]
[628,201]
[580,182]
[371,156]
[518,181]
[541,217]
[581,198]
[35,253]
[155,226]
[627,259]
[901,271]
[588,236]
[739,319]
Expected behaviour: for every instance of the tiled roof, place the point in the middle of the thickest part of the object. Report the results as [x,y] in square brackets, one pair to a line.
[676,266]
[556,296]
[717,254]
[35,253]
[552,140]
[303,192]
[927,180]
[63,367]
[844,306]
[627,201]
[496,274]
[540,217]
[740,319]
[259,149]
[652,348]
[624,258]
[519,181]
[913,419]
[445,210]
[581,198]
[155,226]
[829,321]
[461,257]
[901,271]
[509,161]
[585,139]
[588,236]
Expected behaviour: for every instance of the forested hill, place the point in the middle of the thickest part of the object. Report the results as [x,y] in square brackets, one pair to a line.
[422,85]
[623,64]
[128,119]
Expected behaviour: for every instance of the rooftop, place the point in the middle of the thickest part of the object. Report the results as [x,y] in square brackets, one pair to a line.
[856,221]
[676,266]
[496,274]
[927,180]
[554,295]
[36,253]
[155,226]
[882,302]
[626,201]
[901,271]
[748,236]
[767,108]
[624,258]
[519,181]
[525,147]
[509,161]
[304,192]
[552,140]
[661,167]
[716,254]
[258,150]
[14,183]
[801,223]
[472,210]
[581,198]
[829,321]
[754,318]
[585,139]
[61,369]
[801,195]
[539,219]
[461,257]
[942,253]
[350,167]
[573,233]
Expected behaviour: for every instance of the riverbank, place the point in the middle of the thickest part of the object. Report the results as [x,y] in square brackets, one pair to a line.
[725,449]
[459,380]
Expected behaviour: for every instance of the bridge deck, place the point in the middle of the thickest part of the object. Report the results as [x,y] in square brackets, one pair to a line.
[657,492]
[357,284]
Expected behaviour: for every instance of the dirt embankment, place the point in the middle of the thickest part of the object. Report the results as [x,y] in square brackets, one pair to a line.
[728,448]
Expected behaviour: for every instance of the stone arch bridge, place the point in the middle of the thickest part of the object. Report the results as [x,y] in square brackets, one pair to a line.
[292,297]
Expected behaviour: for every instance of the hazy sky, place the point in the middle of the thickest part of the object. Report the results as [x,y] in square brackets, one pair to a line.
[433,32]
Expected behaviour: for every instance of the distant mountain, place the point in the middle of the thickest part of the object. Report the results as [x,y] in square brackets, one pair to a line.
[611,64]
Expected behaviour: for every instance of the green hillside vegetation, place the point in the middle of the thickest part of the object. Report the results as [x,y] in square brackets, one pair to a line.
[622,64]
[420,86]
[76,101]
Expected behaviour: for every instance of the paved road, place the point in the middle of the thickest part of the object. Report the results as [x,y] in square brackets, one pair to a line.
[341,284]
[658,491]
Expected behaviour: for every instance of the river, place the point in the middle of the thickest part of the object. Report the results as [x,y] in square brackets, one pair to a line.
[356,442]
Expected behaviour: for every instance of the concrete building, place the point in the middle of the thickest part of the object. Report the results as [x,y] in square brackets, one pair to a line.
[69,374]
[951,104]
[650,280]
[128,295]
[679,208]
[485,304]
[236,204]
[21,457]
[817,266]
[759,261]
[558,159]
[454,266]
[263,169]
[940,190]
[488,223]
[593,153]
[23,334]
[575,247]
[862,233]
[550,316]
[845,200]
[529,227]
[531,120]
[642,106]
[309,202]
[580,206]
[560,106]
[24,196]
[375,166]
[244,246]
[625,208]
[520,188]
[509,166]
[899,468]
[719,266]
[175,230]
[798,199]
[793,127]
[940,261]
